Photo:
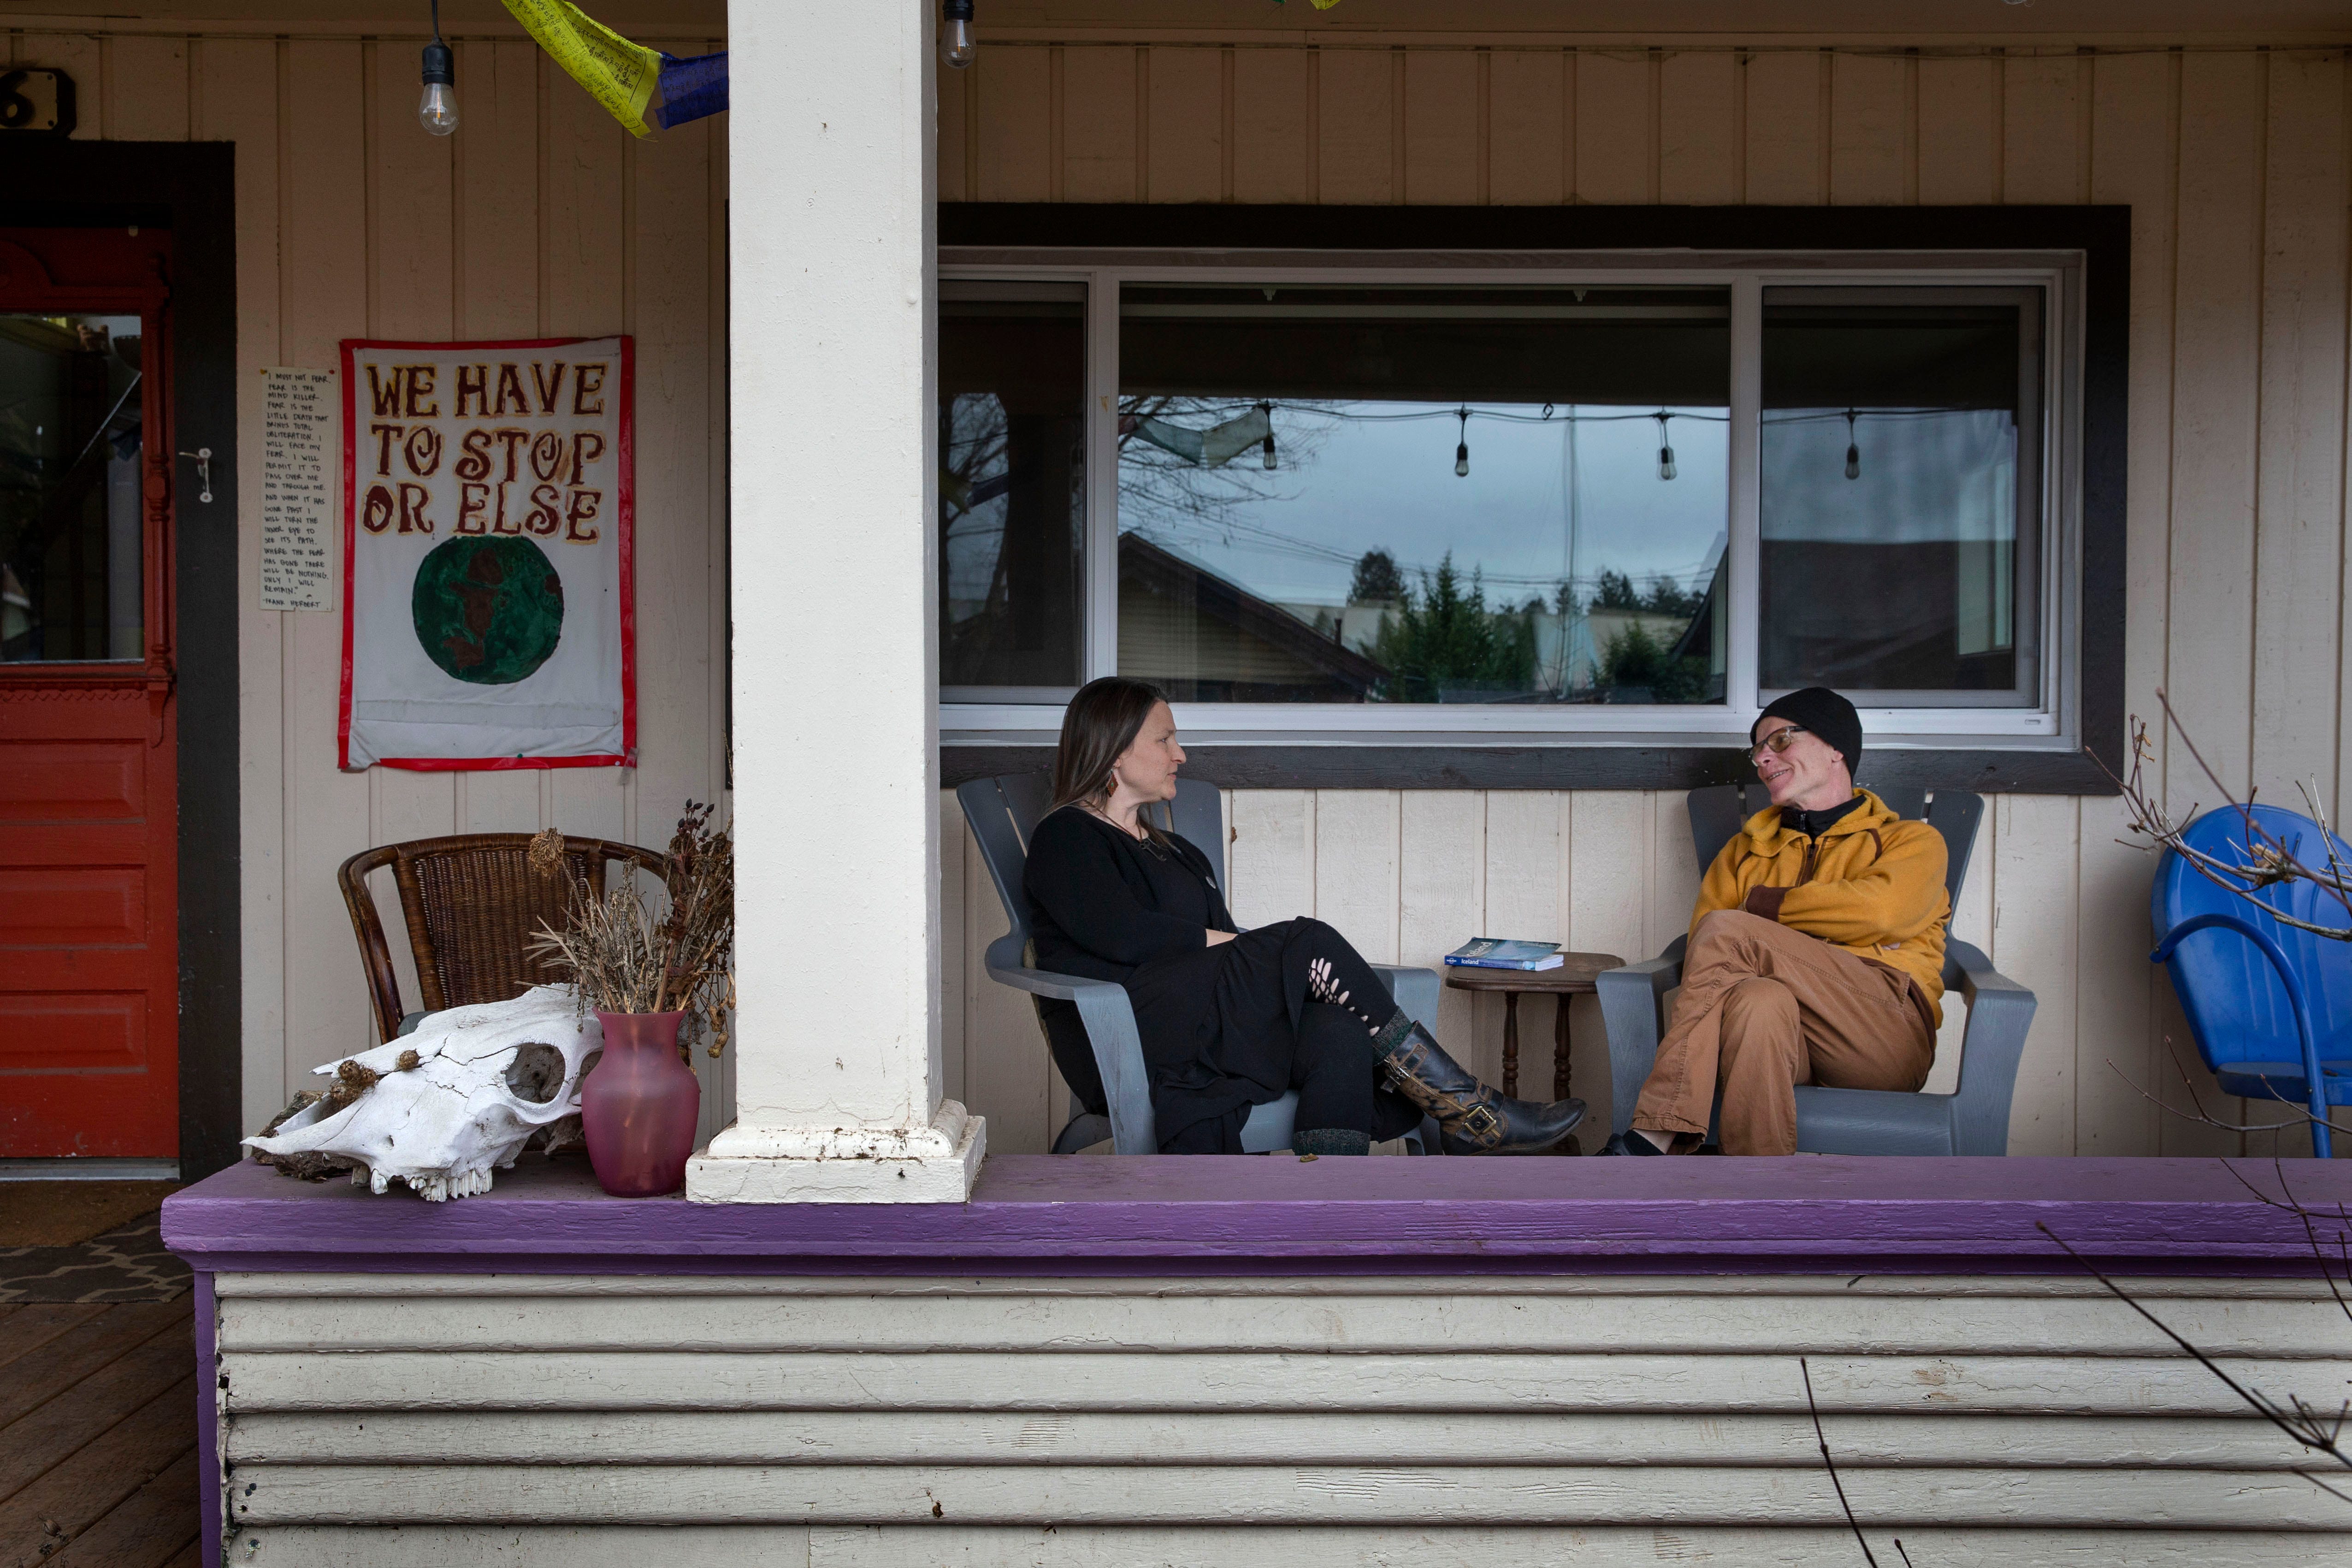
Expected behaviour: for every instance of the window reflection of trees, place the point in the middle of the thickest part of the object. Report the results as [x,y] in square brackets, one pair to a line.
[1440,632]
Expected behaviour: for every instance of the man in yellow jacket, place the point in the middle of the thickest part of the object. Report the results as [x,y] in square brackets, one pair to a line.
[1816,953]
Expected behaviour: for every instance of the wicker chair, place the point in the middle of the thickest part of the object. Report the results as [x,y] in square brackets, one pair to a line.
[473,905]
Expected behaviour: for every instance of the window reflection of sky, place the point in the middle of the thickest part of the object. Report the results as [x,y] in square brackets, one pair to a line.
[1922,474]
[1353,477]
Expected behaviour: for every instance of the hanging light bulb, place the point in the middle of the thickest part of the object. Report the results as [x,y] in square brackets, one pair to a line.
[1666,446]
[1462,447]
[1853,451]
[955,46]
[1267,409]
[437,109]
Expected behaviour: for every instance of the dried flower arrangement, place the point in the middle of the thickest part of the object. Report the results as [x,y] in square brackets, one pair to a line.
[622,960]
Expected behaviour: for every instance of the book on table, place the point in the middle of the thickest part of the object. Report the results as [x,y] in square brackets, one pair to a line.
[1494,952]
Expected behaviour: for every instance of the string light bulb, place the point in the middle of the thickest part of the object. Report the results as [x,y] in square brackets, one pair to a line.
[956,45]
[1269,458]
[1462,447]
[1852,449]
[1666,446]
[436,107]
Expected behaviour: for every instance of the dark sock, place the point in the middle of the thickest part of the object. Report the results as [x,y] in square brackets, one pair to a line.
[1390,1038]
[1631,1141]
[1330,1141]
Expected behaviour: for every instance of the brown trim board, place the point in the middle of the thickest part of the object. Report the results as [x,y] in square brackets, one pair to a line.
[1557,767]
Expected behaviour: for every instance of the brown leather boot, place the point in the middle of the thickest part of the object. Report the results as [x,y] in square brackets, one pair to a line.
[1472,1119]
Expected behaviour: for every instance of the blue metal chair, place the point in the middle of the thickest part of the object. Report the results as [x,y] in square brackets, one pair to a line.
[1973,1120]
[2270,1006]
[1004,812]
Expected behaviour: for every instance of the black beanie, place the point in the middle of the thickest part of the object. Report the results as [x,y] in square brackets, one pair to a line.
[1818,711]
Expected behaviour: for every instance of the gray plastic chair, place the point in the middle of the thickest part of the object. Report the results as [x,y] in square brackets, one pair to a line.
[1004,812]
[1972,1121]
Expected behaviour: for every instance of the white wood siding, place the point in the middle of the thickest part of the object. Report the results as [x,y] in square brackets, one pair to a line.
[2234,162]
[542,217]
[1371,1421]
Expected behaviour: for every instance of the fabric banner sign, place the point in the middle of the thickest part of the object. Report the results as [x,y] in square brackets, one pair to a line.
[488,614]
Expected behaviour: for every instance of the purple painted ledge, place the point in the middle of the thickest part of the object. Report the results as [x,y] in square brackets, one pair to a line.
[1277,1215]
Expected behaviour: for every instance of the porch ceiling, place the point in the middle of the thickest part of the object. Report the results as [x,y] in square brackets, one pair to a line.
[1557,21]
[1756,21]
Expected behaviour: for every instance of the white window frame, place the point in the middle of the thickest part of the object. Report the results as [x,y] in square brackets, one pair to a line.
[979,716]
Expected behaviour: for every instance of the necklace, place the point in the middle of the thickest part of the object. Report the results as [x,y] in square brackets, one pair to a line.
[1140,833]
[1114,821]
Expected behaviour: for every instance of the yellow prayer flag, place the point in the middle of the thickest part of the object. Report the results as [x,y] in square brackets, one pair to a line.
[618,74]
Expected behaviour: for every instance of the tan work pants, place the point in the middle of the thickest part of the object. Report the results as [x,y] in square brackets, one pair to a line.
[1764,1009]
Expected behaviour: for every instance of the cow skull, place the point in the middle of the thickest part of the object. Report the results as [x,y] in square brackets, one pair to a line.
[438,1109]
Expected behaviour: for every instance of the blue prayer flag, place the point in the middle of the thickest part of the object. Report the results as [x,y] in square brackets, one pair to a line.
[691,89]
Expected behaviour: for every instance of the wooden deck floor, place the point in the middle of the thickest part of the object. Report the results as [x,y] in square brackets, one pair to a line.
[98,1435]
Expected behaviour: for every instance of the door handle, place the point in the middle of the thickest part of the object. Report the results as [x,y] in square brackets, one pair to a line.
[204,457]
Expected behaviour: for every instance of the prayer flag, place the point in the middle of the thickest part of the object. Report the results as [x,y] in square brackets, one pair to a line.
[618,74]
[1210,448]
[692,88]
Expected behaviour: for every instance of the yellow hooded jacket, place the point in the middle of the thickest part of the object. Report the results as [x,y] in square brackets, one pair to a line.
[1873,885]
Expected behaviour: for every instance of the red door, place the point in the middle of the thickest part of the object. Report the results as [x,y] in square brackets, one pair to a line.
[88,789]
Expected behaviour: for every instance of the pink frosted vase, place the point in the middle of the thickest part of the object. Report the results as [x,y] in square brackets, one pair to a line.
[639,1108]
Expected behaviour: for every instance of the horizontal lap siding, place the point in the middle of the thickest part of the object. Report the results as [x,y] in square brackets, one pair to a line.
[2234,164]
[542,217]
[1130,1412]
[1242,1546]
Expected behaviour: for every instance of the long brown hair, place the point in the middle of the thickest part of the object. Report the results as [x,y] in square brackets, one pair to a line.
[1098,728]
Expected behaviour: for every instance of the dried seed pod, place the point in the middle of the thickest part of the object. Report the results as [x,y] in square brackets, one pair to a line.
[352,1080]
[546,852]
[406,1061]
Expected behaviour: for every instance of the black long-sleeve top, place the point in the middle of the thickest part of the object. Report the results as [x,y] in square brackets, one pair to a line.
[1104,905]
[1107,904]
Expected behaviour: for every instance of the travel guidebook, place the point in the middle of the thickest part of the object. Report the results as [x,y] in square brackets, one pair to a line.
[1493,952]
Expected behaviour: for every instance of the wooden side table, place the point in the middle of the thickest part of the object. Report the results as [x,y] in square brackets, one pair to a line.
[1577,977]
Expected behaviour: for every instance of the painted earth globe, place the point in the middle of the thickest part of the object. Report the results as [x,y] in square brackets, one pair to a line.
[487,610]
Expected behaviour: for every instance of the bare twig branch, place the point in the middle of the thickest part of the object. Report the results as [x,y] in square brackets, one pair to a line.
[1822,1438]
[2301,1423]
[2263,859]
[2311,1231]
[2301,1116]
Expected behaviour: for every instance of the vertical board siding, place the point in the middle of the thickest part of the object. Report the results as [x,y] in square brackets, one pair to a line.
[1098,134]
[237,101]
[1444,126]
[1612,128]
[2234,164]
[1958,141]
[1357,133]
[326,296]
[2298,495]
[1526,118]
[540,217]
[1699,120]
[1186,118]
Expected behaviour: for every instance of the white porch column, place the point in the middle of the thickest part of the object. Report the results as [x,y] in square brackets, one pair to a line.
[837,774]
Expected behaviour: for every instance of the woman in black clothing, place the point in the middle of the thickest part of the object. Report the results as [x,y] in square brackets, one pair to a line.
[1229,1019]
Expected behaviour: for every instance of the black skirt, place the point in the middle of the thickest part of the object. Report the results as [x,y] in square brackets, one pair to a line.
[1232,1026]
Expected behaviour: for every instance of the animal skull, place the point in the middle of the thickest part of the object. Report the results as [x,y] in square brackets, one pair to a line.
[439,1107]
